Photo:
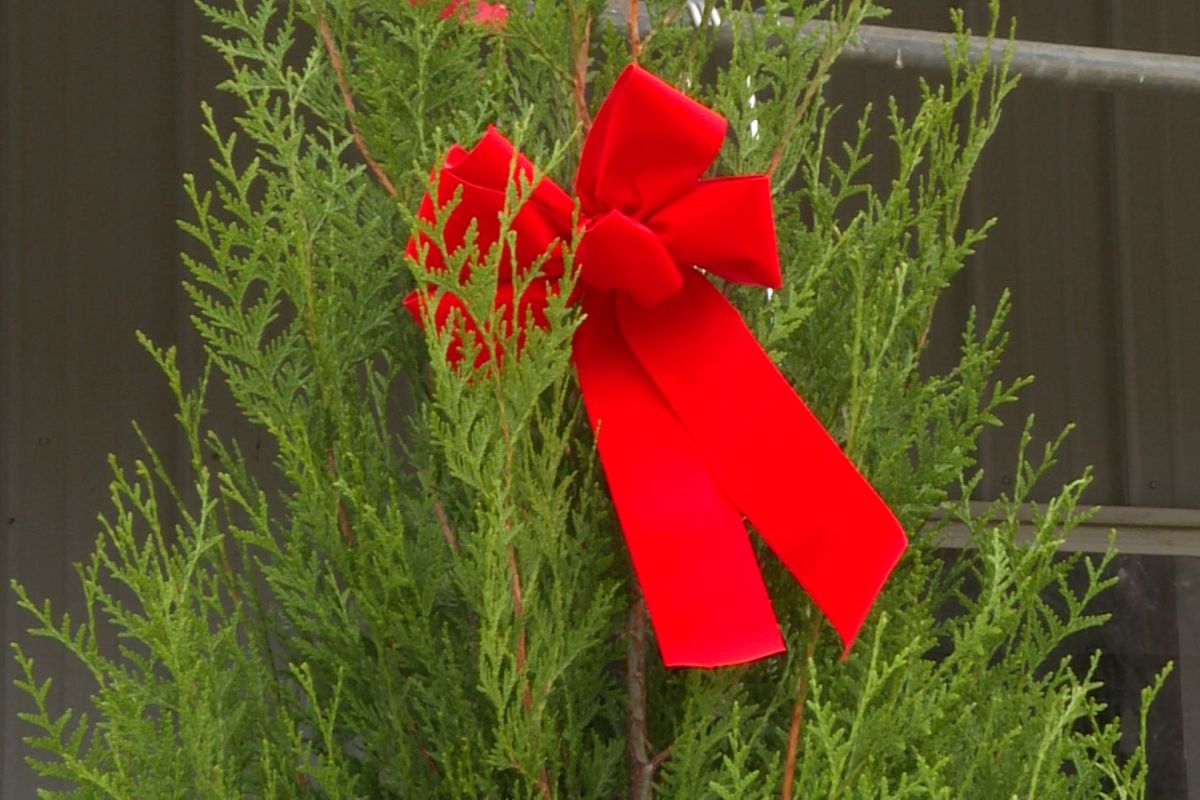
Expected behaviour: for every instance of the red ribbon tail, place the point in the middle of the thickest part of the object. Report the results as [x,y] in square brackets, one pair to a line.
[766,450]
[689,546]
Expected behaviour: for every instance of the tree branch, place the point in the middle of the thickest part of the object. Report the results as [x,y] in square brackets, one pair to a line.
[667,19]
[642,760]
[526,694]
[635,46]
[831,52]
[348,101]
[447,531]
[342,517]
[519,613]
[581,47]
[793,745]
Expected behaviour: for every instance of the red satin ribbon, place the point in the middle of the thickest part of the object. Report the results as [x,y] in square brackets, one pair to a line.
[695,427]
[493,15]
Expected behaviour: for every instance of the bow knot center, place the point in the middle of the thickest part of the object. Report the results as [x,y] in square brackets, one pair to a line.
[618,253]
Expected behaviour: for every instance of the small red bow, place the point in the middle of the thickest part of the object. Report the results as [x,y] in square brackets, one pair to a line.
[695,426]
[492,15]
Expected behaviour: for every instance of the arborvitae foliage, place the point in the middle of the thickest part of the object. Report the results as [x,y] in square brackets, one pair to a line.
[439,603]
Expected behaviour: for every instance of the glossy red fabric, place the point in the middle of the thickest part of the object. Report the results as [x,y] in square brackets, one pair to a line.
[492,15]
[695,427]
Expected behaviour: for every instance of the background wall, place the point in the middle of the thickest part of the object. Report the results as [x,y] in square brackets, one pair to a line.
[100,115]
[1098,240]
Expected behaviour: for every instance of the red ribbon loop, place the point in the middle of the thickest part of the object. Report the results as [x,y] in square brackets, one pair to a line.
[481,174]
[648,144]
[725,225]
[604,260]
[695,426]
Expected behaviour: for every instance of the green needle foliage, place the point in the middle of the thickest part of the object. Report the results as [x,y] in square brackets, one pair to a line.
[438,602]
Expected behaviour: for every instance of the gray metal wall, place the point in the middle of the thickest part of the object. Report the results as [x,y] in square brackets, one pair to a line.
[1097,197]
[99,117]
[1098,239]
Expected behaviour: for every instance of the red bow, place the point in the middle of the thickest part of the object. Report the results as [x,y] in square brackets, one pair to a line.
[492,15]
[695,426]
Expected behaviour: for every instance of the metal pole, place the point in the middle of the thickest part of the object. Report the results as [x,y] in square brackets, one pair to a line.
[1068,65]
[1065,65]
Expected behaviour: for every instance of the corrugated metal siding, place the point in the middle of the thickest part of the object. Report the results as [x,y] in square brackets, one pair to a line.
[1159,255]
[1096,195]
[1098,239]
[100,117]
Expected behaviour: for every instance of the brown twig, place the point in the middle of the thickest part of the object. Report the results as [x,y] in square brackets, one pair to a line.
[342,517]
[519,613]
[426,759]
[447,531]
[667,19]
[642,760]
[544,783]
[526,694]
[801,111]
[810,93]
[344,523]
[793,745]
[635,46]
[925,333]
[348,101]
[582,46]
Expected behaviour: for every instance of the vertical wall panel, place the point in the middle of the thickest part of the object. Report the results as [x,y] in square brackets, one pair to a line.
[1145,316]
[1095,194]
[90,187]
[1187,589]
[1098,239]
[10,311]
[34,445]
[1179,32]
[1047,178]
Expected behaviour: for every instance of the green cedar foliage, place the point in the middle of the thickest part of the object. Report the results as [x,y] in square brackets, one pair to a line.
[438,603]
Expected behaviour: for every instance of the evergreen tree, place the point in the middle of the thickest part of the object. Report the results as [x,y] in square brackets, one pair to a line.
[439,603]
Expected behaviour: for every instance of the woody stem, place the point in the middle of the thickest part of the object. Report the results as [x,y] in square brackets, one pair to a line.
[793,745]
[339,70]
[635,45]
[642,764]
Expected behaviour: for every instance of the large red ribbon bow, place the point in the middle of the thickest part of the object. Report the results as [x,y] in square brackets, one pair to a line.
[695,426]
